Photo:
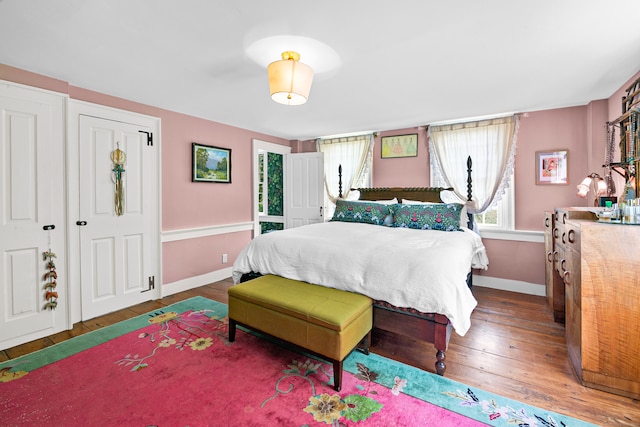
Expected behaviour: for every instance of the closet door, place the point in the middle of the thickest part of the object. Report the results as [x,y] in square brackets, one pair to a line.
[32,199]
[118,250]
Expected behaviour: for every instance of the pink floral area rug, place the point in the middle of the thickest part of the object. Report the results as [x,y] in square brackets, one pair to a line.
[175,367]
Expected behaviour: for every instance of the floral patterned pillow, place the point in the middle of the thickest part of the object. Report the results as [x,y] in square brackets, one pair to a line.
[363,212]
[441,216]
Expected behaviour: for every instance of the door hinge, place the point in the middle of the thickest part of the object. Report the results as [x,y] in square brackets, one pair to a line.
[152,284]
[149,137]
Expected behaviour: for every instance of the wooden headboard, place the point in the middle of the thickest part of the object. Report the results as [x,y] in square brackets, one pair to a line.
[423,194]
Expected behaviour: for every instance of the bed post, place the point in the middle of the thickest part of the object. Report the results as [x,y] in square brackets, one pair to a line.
[470,219]
[340,181]
[469,192]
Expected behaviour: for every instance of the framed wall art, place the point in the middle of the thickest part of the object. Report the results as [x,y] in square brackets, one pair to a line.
[552,167]
[399,146]
[210,164]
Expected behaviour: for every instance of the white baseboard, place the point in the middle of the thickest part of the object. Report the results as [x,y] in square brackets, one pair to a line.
[510,285]
[195,282]
[482,281]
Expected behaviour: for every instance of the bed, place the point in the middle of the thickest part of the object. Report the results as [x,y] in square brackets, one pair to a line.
[419,279]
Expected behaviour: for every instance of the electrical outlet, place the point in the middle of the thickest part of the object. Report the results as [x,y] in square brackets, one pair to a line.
[225,258]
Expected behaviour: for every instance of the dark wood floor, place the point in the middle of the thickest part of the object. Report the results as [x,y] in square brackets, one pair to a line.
[513,349]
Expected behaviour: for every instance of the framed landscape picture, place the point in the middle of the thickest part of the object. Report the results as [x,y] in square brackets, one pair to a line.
[210,164]
[399,146]
[552,167]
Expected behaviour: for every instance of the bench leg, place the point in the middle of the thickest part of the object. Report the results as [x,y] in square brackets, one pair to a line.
[337,375]
[232,330]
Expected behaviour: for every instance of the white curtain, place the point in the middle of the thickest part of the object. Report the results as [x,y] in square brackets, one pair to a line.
[492,147]
[354,153]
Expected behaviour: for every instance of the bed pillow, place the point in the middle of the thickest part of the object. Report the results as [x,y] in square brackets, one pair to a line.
[360,211]
[464,219]
[388,220]
[437,216]
[384,202]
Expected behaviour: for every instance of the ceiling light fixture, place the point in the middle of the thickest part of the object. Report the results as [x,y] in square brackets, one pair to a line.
[289,79]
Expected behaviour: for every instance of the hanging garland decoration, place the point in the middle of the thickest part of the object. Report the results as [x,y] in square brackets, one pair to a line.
[608,159]
[50,278]
[119,158]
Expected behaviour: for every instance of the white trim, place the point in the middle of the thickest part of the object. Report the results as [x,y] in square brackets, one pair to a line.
[516,235]
[510,285]
[214,230]
[195,281]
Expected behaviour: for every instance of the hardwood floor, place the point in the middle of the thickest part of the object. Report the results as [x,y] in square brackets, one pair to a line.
[513,349]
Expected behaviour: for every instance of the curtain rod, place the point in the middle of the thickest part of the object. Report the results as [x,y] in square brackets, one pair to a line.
[474,119]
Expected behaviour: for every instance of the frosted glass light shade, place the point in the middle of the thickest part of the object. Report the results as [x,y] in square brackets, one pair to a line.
[290,80]
[602,188]
[583,187]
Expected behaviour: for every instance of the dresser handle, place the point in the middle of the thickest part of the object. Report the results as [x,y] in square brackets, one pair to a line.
[566,278]
[549,254]
[563,237]
[563,265]
[571,236]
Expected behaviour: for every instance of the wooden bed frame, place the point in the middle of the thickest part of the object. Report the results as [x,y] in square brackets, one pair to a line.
[429,327]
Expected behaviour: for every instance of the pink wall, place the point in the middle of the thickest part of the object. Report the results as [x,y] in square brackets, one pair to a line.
[402,171]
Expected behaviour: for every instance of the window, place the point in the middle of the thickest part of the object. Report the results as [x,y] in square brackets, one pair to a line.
[491,145]
[500,216]
[354,154]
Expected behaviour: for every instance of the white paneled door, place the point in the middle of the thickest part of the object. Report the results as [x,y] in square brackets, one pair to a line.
[118,253]
[32,221]
[304,189]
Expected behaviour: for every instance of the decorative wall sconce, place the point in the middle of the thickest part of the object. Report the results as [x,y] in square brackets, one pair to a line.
[289,79]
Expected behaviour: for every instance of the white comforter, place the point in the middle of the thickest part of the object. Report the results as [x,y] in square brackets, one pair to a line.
[421,269]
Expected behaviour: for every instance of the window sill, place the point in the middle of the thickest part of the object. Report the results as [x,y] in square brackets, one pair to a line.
[517,235]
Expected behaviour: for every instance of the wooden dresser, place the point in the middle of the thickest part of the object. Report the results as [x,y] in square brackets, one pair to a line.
[555,239]
[600,267]
[553,281]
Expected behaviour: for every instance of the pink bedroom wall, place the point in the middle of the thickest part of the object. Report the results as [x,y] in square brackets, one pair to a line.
[402,171]
[548,130]
[195,204]
[187,204]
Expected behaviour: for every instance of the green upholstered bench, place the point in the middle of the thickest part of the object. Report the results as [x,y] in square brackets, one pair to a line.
[324,321]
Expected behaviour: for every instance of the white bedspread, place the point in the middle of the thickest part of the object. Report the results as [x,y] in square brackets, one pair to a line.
[425,270]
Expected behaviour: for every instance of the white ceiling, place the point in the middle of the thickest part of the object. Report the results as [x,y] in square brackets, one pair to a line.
[401,64]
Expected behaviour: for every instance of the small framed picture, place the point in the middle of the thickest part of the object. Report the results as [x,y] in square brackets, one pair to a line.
[399,146]
[210,164]
[552,167]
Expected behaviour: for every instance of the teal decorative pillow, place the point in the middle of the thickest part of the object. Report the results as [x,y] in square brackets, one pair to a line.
[363,212]
[441,216]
